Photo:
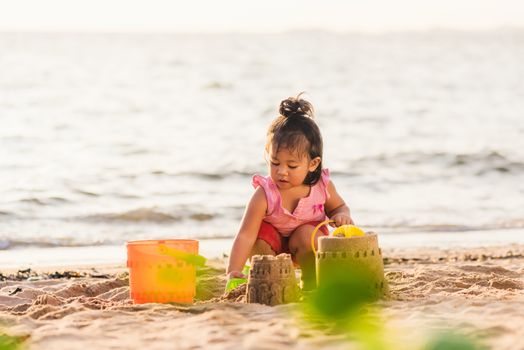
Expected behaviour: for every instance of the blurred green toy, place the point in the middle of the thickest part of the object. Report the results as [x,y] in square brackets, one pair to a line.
[232,283]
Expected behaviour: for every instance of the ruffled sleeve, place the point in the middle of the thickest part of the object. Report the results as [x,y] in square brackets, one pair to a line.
[324,182]
[264,182]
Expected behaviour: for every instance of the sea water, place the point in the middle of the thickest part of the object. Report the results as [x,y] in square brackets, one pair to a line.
[106,138]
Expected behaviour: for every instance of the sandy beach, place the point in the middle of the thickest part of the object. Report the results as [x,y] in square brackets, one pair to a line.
[472,293]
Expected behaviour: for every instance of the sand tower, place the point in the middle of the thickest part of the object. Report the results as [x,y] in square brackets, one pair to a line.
[357,256]
[272,280]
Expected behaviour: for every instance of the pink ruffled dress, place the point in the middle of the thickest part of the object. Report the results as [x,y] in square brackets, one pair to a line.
[309,209]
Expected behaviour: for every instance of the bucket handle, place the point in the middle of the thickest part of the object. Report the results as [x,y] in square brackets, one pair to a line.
[193,259]
[315,232]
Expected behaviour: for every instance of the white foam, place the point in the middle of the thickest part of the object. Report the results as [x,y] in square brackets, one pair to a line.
[90,255]
[213,248]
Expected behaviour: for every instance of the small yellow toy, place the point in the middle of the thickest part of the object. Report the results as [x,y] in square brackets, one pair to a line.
[348,231]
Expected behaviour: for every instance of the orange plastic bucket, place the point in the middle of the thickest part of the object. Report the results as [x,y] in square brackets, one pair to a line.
[157,274]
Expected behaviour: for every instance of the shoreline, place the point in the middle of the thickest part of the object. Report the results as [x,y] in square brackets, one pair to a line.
[37,257]
[475,293]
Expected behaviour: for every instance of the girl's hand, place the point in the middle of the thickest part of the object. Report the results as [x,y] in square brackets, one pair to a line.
[235,274]
[341,219]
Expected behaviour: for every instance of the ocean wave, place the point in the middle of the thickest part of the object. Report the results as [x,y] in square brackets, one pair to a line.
[150,215]
[502,225]
[201,216]
[32,201]
[8,243]
[218,175]
[44,201]
[43,242]
[135,215]
[488,162]
[478,163]
[86,193]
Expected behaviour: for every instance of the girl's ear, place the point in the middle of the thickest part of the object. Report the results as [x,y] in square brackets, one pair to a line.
[314,163]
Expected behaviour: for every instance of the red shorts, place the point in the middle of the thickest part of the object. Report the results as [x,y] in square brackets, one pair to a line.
[279,244]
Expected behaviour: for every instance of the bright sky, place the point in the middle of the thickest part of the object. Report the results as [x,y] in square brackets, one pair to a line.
[256,16]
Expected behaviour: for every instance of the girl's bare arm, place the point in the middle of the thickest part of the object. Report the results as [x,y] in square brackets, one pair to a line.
[336,209]
[247,234]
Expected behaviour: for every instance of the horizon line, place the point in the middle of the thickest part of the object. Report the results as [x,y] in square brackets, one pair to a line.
[279,32]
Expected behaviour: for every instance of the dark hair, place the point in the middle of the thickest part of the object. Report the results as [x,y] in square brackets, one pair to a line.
[296,130]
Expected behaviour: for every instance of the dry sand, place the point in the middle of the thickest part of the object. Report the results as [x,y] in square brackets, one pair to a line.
[478,293]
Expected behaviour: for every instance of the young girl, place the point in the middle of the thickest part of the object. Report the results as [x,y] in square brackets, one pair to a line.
[295,197]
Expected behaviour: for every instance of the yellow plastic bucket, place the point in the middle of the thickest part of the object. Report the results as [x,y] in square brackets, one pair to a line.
[161,271]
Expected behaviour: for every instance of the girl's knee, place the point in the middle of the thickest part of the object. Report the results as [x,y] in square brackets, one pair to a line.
[261,247]
[300,240]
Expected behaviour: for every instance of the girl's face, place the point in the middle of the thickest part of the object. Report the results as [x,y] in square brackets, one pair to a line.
[289,169]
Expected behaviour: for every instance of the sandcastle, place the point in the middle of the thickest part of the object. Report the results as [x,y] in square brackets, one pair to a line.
[357,256]
[272,280]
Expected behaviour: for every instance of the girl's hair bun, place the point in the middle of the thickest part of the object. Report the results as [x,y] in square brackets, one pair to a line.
[296,107]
